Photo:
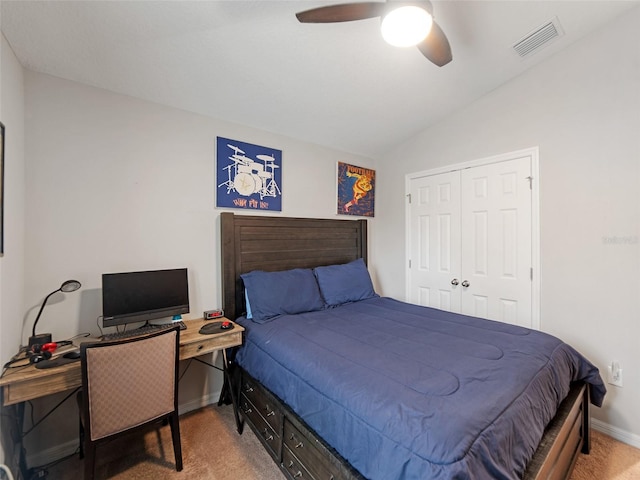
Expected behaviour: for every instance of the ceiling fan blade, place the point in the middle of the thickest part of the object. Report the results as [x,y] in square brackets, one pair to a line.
[345,12]
[436,46]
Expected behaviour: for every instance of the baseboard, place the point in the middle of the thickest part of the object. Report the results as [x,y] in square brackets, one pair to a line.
[52,454]
[198,403]
[617,433]
[68,448]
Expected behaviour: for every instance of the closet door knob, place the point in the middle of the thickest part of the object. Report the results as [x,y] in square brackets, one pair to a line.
[454,282]
[465,283]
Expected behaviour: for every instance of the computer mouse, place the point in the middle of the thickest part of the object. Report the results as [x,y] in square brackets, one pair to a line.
[73,354]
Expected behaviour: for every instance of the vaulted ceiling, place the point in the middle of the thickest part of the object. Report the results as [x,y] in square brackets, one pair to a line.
[252,62]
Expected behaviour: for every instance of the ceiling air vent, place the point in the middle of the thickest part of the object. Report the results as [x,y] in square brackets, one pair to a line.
[540,37]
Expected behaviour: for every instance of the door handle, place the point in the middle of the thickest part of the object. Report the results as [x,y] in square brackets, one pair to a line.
[465,283]
[454,282]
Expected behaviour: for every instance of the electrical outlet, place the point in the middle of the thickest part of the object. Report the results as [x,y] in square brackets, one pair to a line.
[614,374]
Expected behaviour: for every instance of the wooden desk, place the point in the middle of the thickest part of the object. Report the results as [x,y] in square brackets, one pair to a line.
[26,383]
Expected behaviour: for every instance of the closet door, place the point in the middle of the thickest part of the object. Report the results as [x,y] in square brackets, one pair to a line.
[496,241]
[435,241]
[470,241]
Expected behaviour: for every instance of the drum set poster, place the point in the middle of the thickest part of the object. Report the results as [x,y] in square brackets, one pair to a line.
[248,176]
[356,190]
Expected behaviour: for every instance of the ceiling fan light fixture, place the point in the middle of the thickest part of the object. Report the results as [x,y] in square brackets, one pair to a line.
[406,26]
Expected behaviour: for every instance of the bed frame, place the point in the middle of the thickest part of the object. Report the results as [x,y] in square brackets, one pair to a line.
[282,243]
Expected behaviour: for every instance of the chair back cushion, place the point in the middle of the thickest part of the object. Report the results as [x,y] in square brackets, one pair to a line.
[130,383]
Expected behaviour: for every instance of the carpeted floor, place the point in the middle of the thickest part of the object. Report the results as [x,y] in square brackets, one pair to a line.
[213,450]
[608,460]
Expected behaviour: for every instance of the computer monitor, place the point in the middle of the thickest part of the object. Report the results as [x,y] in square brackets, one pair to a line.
[130,297]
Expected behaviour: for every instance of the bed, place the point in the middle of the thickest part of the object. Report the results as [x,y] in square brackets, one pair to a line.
[376,388]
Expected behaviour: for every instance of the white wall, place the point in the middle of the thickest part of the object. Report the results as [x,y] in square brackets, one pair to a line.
[114,183]
[582,108]
[119,184]
[12,263]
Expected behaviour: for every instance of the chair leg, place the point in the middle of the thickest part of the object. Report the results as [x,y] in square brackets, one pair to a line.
[79,401]
[90,461]
[81,436]
[175,436]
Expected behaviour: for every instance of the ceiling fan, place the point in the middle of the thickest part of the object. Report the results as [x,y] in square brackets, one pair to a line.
[431,40]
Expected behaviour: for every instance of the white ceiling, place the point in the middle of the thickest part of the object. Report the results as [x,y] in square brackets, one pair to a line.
[253,63]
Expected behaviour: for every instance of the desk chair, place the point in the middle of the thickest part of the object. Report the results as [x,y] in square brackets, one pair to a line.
[127,384]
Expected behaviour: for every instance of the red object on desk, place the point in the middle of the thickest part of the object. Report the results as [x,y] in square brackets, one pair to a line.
[49,347]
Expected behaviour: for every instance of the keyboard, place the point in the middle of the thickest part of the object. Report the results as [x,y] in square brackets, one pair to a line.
[136,332]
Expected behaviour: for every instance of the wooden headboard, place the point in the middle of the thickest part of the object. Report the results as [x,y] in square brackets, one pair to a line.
[282,243]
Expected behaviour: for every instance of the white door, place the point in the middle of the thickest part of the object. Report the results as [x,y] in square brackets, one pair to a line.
[435,240]
[496,243]
[470,241]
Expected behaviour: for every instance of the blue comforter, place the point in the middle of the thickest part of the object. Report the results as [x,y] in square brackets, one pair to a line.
[409,392]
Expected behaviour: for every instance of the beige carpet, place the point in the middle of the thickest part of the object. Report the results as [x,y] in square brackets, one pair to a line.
[608,460]
[212,450]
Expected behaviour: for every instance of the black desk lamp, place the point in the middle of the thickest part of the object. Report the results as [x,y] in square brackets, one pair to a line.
[41,339]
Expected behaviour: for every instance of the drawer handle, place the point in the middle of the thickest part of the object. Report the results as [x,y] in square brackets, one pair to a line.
[267,437]
[246,408]
[299,474]
[290,464]
[271,412]
[247,388]
[200,347]
[300,445]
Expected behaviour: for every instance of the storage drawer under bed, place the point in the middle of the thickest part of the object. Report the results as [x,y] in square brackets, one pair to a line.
[265,421]
[266,406]
[291,443]
[309,452]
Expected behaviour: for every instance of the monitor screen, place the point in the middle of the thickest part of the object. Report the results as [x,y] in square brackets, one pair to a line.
[142,296]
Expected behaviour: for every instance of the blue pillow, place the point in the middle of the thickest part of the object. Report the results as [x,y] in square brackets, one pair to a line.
[281,293]
[247,304]
[345,283]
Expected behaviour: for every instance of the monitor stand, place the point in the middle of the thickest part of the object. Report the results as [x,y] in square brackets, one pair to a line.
[168,321]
